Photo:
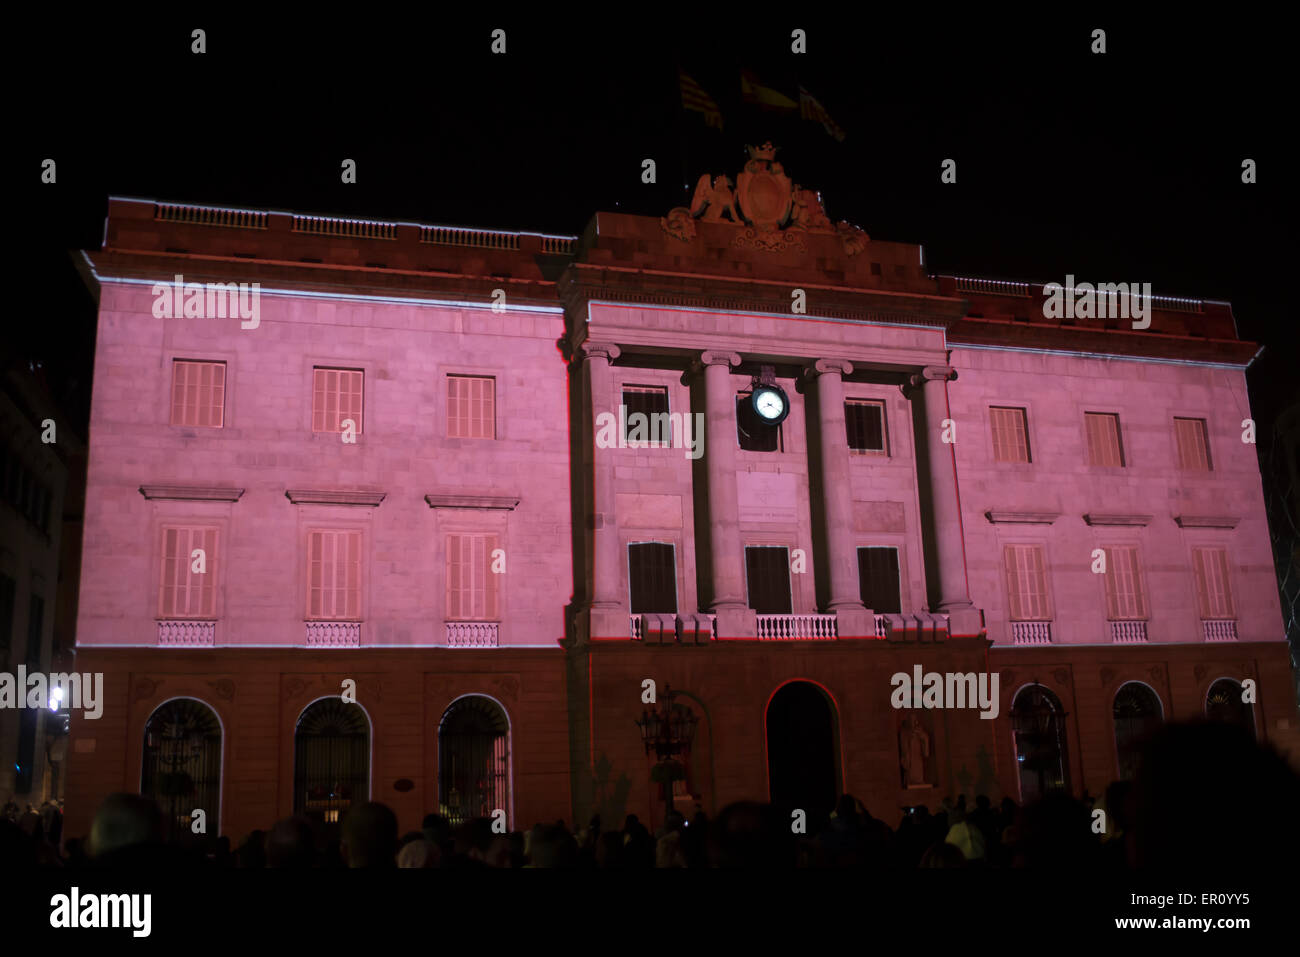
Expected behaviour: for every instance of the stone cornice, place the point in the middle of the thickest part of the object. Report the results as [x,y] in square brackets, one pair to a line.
[1206,521]
[334,497]
[1095,518]
[190,493]
[462,500]
[1021,517]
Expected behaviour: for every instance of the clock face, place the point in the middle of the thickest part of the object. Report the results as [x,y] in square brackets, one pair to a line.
[770,404]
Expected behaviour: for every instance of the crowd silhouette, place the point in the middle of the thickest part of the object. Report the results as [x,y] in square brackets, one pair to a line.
[1205,796]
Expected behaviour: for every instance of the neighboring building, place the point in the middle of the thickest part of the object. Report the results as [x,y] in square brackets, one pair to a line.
[33,478]
[379,479]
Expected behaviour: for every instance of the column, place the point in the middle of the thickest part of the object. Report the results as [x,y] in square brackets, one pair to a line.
[608,615]
[727,562]
[852,618]
[953,588]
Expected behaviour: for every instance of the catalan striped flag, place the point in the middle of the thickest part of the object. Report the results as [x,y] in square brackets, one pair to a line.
[764,97]
[813,110]
[694,98]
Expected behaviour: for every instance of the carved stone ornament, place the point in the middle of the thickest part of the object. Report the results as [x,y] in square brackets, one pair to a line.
[776,213]
[679,224]
[772,240]
[1061,675]
[224,687]
[1107,676]
[144,687]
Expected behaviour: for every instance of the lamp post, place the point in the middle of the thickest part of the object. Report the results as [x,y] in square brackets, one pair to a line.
[667,730]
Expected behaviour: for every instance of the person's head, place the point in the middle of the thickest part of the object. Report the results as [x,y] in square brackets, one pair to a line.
[125,820]
[1055,832]
[474,838]
[436,828]
[370,836]
[982,802]
[291,844]
[747,834]
[419,853]
[609,850]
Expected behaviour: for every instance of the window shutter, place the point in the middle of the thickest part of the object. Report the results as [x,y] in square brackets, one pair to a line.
[471,407]
[198,393]
[337,395]
[1193,445]
[1026,582]
[1010,434]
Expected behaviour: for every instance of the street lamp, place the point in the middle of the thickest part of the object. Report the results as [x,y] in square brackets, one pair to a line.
[667,730]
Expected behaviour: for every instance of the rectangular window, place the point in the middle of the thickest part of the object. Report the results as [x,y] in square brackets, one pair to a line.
[753,434]
[652,578]
[864,421]
[472,589]
[471,407]
[336,398]
[1010,434]
[1125,596]
[1027,582]
[878,580]
[1193,445]
[184,592]
[767,570]
[334,574]
[198,394]
[1104,445]
[1213,590]
[650,402]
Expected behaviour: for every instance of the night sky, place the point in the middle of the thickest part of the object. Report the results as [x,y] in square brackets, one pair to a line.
[1117,167]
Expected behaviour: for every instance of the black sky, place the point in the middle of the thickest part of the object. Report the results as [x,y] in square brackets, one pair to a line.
[1117,167]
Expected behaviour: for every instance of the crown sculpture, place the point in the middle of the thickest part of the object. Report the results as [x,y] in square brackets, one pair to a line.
[775,213]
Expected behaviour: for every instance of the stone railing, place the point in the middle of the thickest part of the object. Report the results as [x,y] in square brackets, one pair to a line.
[173,633]
[209,216]
[636,628]
[333,634]
[1031,632]
[880,627]
[456,236]
[796,627]
[352,228]
[1220,630]
[1128,632]
[473,634]
[992,287]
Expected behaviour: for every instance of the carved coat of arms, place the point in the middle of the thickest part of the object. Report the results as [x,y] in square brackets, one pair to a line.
[763,191]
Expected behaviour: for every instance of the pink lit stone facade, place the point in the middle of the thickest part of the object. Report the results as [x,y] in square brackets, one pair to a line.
[699,316]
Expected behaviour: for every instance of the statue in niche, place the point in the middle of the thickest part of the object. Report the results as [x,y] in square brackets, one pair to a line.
[913,751]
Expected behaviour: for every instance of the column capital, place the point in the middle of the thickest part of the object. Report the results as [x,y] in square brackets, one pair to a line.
[944,373]
[731,359]
[600,350]
[822,366]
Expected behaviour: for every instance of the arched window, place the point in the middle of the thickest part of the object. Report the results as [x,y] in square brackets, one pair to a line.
[1137,713]
[1038,724]
[182,764]
[1223,703]
[473,759]
[331,760]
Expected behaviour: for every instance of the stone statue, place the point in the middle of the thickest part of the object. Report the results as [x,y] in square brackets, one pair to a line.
[808,211]
[713,199]
[913,749]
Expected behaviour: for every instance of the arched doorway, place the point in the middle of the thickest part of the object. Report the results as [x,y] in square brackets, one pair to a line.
[1223,703]
[181,769]
[331,762]
[1137,713]
[803,750]
[1038,725]
[473,760]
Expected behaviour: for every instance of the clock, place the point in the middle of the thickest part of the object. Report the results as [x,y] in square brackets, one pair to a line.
[770,404]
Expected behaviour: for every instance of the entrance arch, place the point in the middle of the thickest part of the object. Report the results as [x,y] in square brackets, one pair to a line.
[474,760]
[803,748]
[1223,703]
[1038,724]
[331,761]
[181,769]
[1137,712]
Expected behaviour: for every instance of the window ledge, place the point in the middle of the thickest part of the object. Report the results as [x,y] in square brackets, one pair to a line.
[1017,517]
[1206,521]
[190,493]
[346,497]
[1092,518]
[461,500]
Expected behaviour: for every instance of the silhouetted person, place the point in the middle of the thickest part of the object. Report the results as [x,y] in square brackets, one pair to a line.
[370,836]
[128,833]
[553,846]
[943,854]
[751,835]
[291,844]
[1208,797]
[1055,832]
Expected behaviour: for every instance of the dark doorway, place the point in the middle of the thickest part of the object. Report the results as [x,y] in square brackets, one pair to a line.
[182,764]
[473,760]
[1223,703]
[1038,723]
[802,751]
[331,768]
[1137,714]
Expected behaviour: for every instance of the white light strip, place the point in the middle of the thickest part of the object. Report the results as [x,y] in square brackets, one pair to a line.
[302,294]
[955,346]
[763,315]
